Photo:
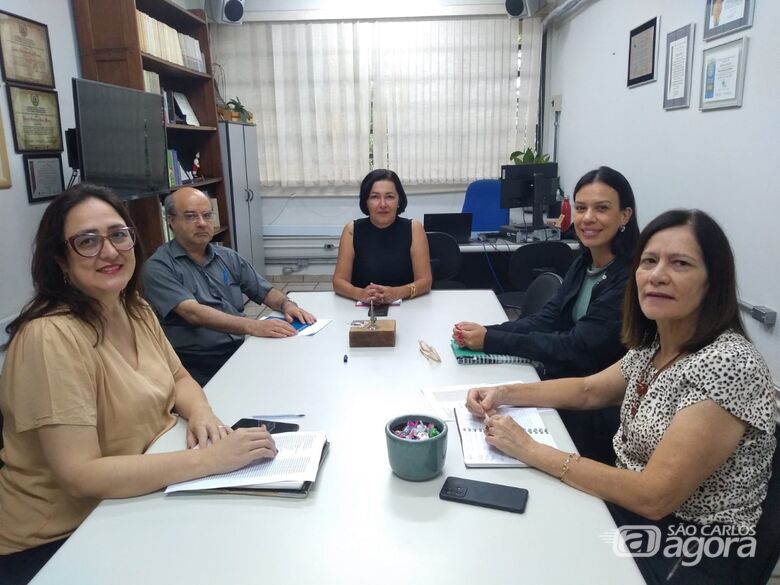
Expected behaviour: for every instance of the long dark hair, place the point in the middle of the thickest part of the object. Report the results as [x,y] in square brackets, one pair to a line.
[381,175]
[52,294]
[719,309]
[624,242]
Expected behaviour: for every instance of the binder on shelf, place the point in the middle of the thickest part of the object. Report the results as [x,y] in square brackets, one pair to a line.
[477,452]
[184,109]
[469,357]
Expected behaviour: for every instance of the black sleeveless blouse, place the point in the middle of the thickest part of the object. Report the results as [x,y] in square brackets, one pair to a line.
[382,256]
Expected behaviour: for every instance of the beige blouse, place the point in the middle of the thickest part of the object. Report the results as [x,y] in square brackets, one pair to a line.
[55,375]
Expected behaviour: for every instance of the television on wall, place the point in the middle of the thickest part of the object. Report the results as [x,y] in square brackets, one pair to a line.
[120,138]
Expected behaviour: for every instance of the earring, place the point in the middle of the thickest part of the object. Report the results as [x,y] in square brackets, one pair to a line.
[622,227]
[66,278]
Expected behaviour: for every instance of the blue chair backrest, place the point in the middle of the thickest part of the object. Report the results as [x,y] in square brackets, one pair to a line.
[482,201]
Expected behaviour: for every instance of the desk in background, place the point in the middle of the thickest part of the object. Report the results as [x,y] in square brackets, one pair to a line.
[360,523]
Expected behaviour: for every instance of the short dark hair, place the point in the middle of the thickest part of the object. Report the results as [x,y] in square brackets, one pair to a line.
[624,242]
[719,309]
[381,175]
[52,294]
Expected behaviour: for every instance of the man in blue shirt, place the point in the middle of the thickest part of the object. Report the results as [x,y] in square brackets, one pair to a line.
[197,290]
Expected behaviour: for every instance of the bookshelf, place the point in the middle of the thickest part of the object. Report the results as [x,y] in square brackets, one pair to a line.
[110,42]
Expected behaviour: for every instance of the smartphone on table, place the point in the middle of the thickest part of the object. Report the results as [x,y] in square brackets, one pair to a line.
[272,426]
[482,493]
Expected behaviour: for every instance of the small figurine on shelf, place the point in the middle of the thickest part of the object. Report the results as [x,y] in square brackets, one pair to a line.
[196,167]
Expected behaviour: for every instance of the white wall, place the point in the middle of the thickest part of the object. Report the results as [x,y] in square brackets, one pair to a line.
[19,219]
[724,162]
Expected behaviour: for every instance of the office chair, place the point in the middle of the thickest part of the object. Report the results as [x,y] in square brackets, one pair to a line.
[531,260]
[759,568]
[482,200]
[445,260]
[541,290]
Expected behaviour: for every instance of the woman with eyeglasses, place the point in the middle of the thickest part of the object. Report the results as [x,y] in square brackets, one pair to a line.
[89,382]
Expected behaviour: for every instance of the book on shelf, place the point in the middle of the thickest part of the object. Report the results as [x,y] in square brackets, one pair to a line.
[166,229]
[215,212]
[171,175]
[466,356]
[184,109]
[151,82]
[291,473]
[164,42]
[477,452]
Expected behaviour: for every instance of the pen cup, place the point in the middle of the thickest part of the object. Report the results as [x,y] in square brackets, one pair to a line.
[416,460]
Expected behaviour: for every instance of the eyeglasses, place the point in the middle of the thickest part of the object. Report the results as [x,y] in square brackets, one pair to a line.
[89,245]
[192,216]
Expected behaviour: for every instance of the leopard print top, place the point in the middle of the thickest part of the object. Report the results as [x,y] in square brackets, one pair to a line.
[731,373]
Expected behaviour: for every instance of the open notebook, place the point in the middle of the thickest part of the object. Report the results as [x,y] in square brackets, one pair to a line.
[291,473]
[476,451]
[467,357]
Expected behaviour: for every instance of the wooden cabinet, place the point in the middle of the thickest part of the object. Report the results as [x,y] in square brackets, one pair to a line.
[110,47]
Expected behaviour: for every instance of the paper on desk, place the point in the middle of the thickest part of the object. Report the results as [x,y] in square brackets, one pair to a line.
[296,462]
[445,398]
[303,330]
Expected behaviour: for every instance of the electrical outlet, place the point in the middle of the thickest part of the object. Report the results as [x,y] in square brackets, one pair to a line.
[557,103]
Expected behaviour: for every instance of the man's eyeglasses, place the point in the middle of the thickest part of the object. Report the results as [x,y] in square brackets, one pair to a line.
[192,216]
[89,245]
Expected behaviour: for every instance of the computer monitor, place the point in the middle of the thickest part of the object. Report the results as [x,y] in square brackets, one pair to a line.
[533,185]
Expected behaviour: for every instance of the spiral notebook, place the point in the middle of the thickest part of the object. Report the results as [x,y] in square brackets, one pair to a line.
[476,451]
[467,356]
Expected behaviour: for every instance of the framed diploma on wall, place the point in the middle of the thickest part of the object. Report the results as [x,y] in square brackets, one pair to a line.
[723,75]
[43,173]
[722,17]
[25,53]
[35,117]
[679,62]
[642,51]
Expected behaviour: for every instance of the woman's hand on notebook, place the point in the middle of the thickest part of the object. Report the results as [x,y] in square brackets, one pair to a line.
[503,433]
[469,335]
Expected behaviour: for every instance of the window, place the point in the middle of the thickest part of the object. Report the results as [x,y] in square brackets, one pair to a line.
[435,100]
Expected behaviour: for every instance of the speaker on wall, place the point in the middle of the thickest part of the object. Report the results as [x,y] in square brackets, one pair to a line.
[226,11]
[523,8]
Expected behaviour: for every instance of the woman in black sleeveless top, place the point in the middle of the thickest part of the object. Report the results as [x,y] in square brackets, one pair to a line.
[382,257]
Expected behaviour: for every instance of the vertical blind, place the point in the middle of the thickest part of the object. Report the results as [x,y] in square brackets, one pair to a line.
[435,100]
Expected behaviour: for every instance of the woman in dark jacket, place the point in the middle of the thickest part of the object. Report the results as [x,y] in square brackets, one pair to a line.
[577,333]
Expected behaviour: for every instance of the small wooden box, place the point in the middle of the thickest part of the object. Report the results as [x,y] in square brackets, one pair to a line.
[382,336]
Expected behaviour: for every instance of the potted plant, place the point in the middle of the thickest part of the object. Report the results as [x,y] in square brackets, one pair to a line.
[238,110]
[528,157]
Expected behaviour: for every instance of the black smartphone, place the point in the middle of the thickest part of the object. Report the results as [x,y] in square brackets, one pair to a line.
[379,310]
[487,495]
[271,426]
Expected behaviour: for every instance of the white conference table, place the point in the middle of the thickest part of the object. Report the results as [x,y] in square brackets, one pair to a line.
[360,523]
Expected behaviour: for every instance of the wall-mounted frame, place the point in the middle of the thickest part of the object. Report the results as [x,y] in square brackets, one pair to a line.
[25,52]
[35,117]
[43,173]
[723,75]
[642,51]
[5,170]
[679,65]
[722,17]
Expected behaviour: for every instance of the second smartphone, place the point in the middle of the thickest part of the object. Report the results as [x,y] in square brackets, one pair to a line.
[482,493]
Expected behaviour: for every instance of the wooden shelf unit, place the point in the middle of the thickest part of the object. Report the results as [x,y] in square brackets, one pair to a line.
[110,50]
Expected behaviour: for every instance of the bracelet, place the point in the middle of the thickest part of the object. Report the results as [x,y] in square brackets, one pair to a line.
[412,290]
[566,463]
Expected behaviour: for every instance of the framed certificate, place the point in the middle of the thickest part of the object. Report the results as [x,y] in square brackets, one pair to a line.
[722,17]
[43,173]
[723,75]
[642,49]
[679,60]
[25,53]
[5,170]
[35,116]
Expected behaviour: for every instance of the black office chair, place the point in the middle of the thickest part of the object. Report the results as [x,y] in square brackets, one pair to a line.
[541,290]
[759,568]
[528,262]
[445,260]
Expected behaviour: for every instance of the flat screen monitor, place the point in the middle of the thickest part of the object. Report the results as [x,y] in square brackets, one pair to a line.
[121,139]
[533,185]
